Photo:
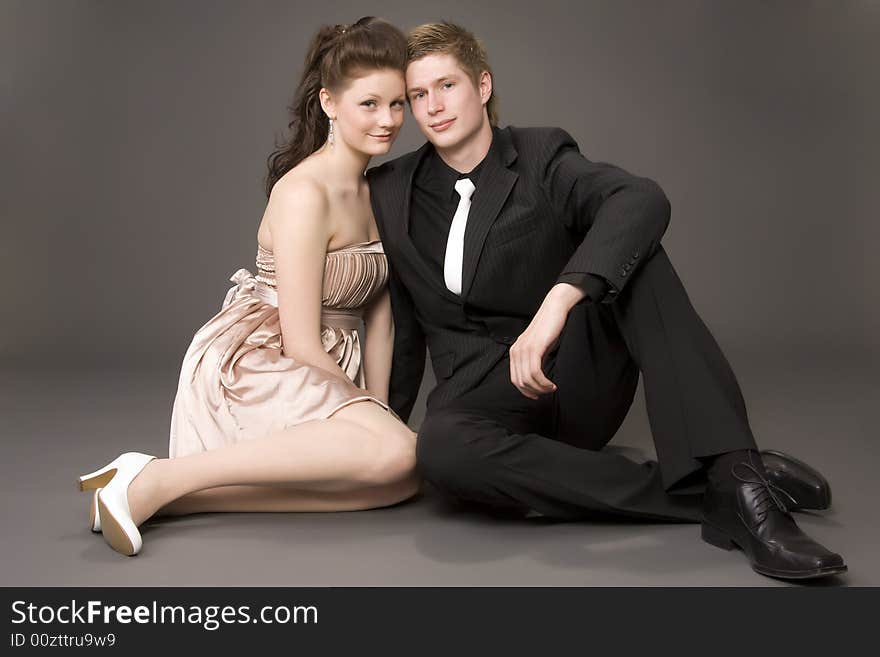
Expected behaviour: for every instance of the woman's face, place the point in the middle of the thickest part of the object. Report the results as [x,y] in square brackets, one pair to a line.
[369,111]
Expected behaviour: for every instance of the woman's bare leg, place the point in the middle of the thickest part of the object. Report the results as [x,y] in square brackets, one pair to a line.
[284,499]
[361,446]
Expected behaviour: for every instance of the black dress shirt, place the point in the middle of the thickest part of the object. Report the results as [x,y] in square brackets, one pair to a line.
[434,201]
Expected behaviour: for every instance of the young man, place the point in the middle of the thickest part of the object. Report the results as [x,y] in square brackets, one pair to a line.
[538,282]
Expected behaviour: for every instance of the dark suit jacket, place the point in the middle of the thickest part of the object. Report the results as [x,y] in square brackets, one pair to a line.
[542,210]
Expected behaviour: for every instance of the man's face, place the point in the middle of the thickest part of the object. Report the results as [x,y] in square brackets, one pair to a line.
[445,103]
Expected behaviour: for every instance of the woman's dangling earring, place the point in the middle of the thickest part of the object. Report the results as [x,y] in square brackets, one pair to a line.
[330,138]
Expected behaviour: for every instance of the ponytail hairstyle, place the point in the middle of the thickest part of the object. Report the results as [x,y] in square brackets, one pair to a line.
[337,53]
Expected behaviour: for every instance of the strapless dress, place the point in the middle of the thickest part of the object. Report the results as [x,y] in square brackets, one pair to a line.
[236,384]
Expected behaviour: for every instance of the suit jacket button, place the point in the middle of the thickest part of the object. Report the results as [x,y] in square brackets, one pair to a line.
[623,272]
[628,266]
[636,255]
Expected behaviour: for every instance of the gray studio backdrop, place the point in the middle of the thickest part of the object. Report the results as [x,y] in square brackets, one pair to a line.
[134,139]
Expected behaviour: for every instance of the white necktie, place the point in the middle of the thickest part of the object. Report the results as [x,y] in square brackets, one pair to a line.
[455,242]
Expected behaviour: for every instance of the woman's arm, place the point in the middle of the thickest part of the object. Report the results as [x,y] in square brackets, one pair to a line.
[379,346]
[297,220]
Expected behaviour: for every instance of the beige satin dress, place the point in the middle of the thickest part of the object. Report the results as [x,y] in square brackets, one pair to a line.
[236,384]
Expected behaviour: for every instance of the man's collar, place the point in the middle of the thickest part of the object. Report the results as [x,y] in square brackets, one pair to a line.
[435,174]
[438,175]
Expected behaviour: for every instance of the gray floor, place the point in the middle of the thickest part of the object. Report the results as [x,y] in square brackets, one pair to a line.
[57,424]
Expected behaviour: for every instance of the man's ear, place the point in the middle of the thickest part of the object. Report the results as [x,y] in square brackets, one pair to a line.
[485,86]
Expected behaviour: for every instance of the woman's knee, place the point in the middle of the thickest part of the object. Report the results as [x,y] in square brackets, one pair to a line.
[392,455]
[389,446]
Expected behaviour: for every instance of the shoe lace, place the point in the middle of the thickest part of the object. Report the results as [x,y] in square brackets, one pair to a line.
[765,496]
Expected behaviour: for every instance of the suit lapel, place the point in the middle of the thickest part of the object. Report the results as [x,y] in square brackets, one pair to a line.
[404,190]
[406,184]
[496,181]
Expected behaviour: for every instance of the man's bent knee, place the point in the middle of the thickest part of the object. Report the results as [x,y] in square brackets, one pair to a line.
[445,457]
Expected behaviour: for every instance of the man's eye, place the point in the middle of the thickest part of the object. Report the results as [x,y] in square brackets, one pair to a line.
[447,85]
[418,94]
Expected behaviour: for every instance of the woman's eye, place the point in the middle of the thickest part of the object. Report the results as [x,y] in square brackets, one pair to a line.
[369,103]
[447,85]
[399,103]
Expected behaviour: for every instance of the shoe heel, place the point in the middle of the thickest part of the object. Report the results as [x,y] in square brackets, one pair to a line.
[717,538]
[98,478]
[94,515]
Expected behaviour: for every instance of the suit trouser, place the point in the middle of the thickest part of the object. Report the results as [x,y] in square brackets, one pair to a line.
[496,448]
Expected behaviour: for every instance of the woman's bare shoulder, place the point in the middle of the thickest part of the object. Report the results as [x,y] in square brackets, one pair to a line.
[299,203]
[300,188]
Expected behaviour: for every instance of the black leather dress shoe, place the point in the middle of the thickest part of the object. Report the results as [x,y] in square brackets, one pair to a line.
[804,487]
[752,516]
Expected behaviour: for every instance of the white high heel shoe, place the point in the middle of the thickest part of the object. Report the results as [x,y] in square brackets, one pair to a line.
[112,511]
[94,516]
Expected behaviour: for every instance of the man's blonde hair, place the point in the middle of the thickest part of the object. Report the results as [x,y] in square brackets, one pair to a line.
[450,39]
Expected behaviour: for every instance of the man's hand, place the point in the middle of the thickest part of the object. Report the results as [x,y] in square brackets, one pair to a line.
[541,335]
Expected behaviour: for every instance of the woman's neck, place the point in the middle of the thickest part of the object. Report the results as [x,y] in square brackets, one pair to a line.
[345,167]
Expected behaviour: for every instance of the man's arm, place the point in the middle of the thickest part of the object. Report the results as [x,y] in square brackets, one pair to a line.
[594,287]
[621,218]
[408,355]
[408,361]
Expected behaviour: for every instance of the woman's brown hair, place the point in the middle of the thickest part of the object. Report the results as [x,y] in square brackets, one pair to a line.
[337,53]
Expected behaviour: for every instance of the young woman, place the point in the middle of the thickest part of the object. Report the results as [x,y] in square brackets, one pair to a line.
[278,408]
